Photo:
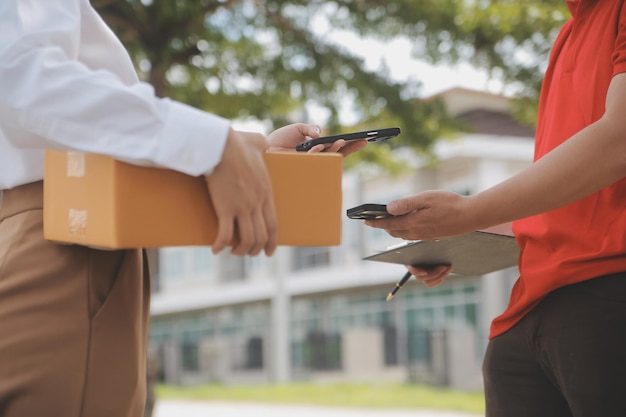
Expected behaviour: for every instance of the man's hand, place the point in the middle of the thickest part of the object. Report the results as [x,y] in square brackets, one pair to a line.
[429,215]
[432,276]
[287,137]
[241,192]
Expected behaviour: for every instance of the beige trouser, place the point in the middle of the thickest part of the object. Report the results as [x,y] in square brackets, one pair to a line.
[73,321]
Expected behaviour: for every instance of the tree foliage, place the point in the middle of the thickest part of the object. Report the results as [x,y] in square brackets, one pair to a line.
[269,58]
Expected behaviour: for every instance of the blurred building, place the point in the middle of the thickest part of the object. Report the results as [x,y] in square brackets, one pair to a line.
[319,313]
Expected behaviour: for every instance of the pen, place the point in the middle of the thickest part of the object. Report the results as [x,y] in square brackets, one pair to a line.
[399,285]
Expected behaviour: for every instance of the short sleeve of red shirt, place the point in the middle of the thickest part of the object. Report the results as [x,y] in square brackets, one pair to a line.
[585,239]
[619,56]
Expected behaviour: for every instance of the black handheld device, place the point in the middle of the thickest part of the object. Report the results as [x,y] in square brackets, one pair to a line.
[377,135]
[368,212]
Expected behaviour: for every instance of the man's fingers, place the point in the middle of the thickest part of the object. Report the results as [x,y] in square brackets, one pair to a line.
[353,146]
[400,233]
[271,223]
[310,130]
[261,233]
[390,224]
[246,236]
[316,149]
[385,223]
[240,187]
[432,282]
[403,206]
[430,276]
[336,145]
[224,235]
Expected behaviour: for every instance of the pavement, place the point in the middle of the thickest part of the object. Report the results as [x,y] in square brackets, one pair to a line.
[185,408]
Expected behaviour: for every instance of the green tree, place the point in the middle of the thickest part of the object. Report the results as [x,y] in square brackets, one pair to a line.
[268,59]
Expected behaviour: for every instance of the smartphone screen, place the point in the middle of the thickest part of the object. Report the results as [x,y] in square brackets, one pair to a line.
[377,135]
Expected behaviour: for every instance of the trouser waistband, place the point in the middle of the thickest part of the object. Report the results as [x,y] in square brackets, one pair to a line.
[21,198]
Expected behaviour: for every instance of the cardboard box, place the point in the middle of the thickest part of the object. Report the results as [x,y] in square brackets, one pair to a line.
[97,201]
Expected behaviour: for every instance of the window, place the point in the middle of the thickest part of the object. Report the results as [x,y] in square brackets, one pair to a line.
[311,257]
[390,345]
[322,351]
[190,358]
[419,346]
[160,330]
[232,268]
[254,353]
[172,264]
[202,258]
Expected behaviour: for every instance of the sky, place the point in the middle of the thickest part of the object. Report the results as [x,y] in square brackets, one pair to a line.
[396,54]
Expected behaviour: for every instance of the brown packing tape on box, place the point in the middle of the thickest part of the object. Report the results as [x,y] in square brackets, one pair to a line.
[97,201]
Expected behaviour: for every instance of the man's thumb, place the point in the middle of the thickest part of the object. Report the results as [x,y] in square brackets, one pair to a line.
[399,207]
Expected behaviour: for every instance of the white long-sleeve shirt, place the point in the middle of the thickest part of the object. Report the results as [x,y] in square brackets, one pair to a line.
[66,82]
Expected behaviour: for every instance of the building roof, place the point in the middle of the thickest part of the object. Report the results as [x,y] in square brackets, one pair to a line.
[495,123]
[485,113]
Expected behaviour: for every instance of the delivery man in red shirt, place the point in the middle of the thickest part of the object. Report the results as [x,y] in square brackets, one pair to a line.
[559,349]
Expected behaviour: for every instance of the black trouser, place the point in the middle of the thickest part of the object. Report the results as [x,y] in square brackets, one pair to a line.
[566,358]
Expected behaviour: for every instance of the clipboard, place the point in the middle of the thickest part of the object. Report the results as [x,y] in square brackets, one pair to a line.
[472,254]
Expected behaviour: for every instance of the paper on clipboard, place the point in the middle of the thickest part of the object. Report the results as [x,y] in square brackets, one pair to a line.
[473,254]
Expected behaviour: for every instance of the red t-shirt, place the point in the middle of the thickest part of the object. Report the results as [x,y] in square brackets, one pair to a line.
[585,239]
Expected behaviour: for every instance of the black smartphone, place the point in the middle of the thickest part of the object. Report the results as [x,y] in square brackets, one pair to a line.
[378,135]
[368,212]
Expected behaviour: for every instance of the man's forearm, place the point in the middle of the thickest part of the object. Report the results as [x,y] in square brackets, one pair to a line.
[586,163]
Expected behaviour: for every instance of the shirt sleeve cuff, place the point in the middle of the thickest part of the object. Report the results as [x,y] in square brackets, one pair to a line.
[192,141]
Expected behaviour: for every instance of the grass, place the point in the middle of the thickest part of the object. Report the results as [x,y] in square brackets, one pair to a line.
[403,396]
